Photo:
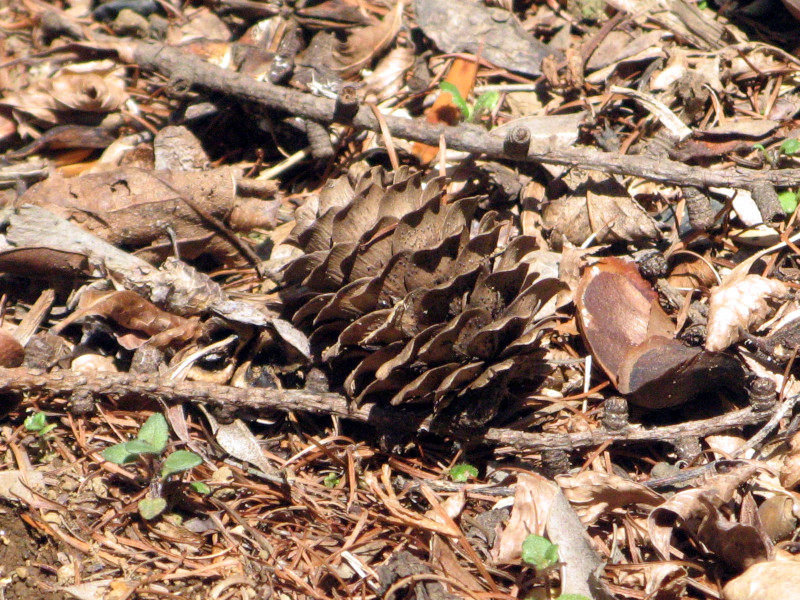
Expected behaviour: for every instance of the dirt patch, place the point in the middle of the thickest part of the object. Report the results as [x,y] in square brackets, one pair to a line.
[27,561]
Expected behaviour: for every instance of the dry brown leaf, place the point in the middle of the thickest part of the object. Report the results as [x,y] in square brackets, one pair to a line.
[738,305]
[131,311]
[594,494]
[97,86]
[696,511]
[368,42]
[132,208]
[11,352]
[541,508]
[630,337]
[603,209]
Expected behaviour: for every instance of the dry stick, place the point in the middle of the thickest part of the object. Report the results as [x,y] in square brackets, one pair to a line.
[179,66]
[139,387]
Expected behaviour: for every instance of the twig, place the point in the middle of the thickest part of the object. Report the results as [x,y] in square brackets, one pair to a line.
[255,401]
[178,65]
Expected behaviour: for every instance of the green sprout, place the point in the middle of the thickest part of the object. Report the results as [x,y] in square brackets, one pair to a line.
[484,104]
[150,442]
[788,200]
[539,552]
[789,147]
[331,480]
[37,423]
[462,473]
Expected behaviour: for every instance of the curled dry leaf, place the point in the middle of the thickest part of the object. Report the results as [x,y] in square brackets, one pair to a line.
[630,337]
[739,305]
[594,494]
[131,311]
[368,42]
[133,208]
[91,87]
[697,512]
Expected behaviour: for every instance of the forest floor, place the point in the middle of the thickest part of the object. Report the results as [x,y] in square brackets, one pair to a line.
[396,299]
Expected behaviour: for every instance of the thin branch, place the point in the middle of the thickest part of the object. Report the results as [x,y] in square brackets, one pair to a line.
[191,70]
[259,401]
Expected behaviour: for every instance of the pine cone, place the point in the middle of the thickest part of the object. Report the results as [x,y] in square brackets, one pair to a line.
[414,299]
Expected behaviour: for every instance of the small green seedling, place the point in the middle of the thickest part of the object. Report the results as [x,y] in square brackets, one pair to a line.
[463,472]
[788,200]
[484,104]
[37,423]
[789,147]
[151,442]
[331,480]
[539,552]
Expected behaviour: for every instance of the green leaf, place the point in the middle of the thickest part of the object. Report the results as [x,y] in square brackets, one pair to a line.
[463,472]
[539,552]
[485,104]
[788,200]
[759,147]
[36,421]
[155,432]
[790,146]
[331,480]
[572,597]
[180,460]
[200,487]
[118,454]
[702,5]
[150,508]
[458,99]
[47,429]
[137,447]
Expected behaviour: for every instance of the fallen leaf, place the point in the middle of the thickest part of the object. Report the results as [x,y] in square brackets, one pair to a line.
[774,580]
[594,494]
[739,305]
[630,337]
[697,512]
[366,43]
[604,210]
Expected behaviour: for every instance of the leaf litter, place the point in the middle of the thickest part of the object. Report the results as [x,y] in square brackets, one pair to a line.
[605,349]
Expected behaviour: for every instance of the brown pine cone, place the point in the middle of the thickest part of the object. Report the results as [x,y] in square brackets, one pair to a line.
[411,299]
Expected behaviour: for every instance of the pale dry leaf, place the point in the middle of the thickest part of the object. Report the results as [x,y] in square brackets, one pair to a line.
[594,494]
[368,42]
[774,580]
[389,75]
[666,581]
[533,497]
[739,305]
[541,508]
[97,86]
[89,590]
[13,485]
[790,471]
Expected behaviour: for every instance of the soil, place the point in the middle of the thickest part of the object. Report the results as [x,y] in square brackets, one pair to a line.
[27,561]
